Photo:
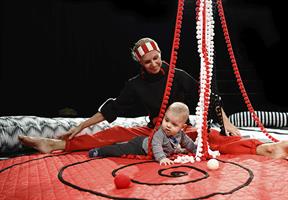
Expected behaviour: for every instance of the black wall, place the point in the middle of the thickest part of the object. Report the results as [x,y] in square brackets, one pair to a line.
[75,54]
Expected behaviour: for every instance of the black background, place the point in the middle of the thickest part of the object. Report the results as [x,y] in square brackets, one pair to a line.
[75,54]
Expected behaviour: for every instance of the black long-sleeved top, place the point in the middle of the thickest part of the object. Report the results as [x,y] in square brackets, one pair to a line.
[142,95]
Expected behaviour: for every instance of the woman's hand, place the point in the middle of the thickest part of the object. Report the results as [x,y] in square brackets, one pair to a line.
[71,133]
[231,130]
[98,117]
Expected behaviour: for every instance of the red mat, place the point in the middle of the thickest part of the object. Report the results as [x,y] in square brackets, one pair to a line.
[74,176]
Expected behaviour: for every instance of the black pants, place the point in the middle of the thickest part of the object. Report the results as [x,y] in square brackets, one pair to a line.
[133,147]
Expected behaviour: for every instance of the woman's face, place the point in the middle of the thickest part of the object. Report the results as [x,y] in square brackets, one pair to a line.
[152,62]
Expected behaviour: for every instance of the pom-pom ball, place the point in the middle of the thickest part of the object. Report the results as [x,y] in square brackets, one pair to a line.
[122,181]
[213,164]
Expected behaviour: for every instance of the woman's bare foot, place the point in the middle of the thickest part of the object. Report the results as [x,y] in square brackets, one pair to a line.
[277,150]
[43,145]
[280,149]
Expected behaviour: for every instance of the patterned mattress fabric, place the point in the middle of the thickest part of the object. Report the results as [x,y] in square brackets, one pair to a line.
[269,119]
[75,176]
[12,126]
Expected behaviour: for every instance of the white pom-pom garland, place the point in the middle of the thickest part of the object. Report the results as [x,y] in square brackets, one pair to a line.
[205,35]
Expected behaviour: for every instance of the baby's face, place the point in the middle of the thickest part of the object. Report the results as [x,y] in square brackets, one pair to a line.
[172,123]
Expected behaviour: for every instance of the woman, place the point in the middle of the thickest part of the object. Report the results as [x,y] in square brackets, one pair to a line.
[142,95]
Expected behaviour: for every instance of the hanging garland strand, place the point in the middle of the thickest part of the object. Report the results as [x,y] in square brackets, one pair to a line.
[169,82]
[171,72]
[237,73]
[201,122]
[204,35]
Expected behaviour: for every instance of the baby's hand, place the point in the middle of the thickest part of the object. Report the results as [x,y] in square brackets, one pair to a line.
[166,161]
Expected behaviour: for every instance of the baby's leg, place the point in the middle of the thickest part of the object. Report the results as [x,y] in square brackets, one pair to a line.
[133,147]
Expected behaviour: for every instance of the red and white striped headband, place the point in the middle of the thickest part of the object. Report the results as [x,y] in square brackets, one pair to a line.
[145,48]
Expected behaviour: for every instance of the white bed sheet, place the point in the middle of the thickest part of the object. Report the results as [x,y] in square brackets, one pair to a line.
[255,132]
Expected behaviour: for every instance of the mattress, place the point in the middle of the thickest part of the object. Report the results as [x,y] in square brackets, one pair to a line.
[74,175]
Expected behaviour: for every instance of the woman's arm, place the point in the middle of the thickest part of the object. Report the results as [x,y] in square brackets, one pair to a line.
[98,117]
[229,127]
